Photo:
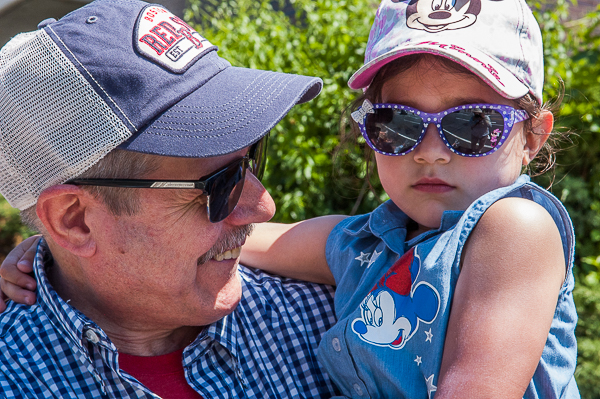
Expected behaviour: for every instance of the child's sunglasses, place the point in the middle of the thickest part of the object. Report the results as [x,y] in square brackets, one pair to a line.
[223,187]
[472,130]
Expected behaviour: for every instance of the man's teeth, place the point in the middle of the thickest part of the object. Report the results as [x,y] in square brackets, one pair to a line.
[231,254]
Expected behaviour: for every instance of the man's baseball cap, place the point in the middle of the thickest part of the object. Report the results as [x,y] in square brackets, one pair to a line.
[498,40]
[131,75]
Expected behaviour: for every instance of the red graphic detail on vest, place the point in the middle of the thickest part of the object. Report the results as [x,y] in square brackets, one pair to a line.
[398,277]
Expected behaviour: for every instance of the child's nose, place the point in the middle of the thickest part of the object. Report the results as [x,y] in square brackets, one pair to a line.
[432,148]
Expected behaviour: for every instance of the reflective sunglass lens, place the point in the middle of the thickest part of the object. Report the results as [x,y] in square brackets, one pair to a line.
[393,131]
[258,158]
[226,191]
[473,131]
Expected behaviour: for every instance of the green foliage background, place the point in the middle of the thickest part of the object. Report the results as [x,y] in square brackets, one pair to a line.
[327,39]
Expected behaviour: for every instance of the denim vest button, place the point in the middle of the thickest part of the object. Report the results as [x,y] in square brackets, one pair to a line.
[336,344]
[357,389]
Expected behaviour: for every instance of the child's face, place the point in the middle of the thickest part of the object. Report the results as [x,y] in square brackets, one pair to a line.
[432,179]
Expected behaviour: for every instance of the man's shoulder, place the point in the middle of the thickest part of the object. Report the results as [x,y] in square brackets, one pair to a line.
[26,332]
[25,338]
[265,294]
[39,359]
[258,283]
[18,319]
[276,327]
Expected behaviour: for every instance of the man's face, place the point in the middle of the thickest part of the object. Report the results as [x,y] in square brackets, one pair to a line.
[159,268]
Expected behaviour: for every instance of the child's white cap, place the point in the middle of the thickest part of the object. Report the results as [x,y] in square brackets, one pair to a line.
[498,40]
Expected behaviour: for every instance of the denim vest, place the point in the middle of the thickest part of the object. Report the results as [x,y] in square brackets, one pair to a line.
[372,353]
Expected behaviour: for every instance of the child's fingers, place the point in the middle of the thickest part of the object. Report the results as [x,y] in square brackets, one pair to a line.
[12,275]
[15,283]
[25,263]
[22,257]
[19,262]
[16,293]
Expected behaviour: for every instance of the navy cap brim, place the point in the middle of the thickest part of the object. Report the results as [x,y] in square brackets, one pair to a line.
[231,111]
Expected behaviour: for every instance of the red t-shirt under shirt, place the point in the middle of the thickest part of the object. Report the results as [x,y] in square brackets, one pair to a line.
[163,374]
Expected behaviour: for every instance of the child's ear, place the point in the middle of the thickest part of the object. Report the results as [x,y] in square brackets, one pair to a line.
[62,211]
[535,139]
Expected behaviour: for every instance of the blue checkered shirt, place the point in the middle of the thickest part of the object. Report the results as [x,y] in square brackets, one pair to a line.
[264,349]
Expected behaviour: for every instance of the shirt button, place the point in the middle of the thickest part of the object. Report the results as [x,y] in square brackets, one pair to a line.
[92,336]
[357,389]
[336,344]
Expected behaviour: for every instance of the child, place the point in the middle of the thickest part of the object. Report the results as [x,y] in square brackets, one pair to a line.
[460,285]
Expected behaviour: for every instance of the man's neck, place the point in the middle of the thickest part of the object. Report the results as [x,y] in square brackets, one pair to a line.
[138,340]
[154,343]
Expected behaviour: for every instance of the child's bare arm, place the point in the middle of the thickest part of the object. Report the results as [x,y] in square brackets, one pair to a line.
[513,268]
[15,281]
[292,250]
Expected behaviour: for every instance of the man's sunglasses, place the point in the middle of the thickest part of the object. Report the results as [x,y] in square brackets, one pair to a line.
[223,187]
[472,130]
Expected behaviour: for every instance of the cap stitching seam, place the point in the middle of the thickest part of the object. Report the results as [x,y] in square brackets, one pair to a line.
[238,120]
[95,81]
[223,134]
[218,110]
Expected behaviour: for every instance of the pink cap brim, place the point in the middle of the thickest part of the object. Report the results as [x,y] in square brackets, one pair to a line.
[496,76]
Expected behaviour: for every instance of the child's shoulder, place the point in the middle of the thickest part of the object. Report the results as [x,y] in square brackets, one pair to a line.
[518,215]
[516,236]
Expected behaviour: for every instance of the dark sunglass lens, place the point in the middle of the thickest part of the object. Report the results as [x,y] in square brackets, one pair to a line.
[225,192]
[393,131]
[473,131]
[258,157]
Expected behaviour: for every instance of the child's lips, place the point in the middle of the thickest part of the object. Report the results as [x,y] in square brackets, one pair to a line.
[432,185]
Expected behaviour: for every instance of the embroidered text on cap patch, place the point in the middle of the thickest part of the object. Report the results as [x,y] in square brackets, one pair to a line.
[168,40]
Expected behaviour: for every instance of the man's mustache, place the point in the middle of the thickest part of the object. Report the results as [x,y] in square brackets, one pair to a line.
[232,239]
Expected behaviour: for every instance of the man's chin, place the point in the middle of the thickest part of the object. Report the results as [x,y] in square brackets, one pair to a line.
[229,296]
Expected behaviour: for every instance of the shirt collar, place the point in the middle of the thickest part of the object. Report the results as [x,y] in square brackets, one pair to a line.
[74,324]
[389,217]
[223,332]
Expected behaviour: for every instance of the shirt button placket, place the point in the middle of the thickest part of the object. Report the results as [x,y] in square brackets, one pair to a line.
[241,378]
[92,336]
[99,380]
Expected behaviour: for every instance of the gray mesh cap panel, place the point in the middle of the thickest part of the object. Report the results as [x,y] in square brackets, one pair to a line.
[53,125]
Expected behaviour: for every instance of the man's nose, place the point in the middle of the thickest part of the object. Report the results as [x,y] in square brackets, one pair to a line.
[432,148]
[255,204]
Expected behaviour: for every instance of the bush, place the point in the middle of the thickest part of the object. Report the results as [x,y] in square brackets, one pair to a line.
[317,38]
[572,51]
[12,231]
[587,298]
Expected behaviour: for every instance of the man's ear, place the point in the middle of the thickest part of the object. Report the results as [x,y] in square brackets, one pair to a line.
[62,211]
[535,139]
